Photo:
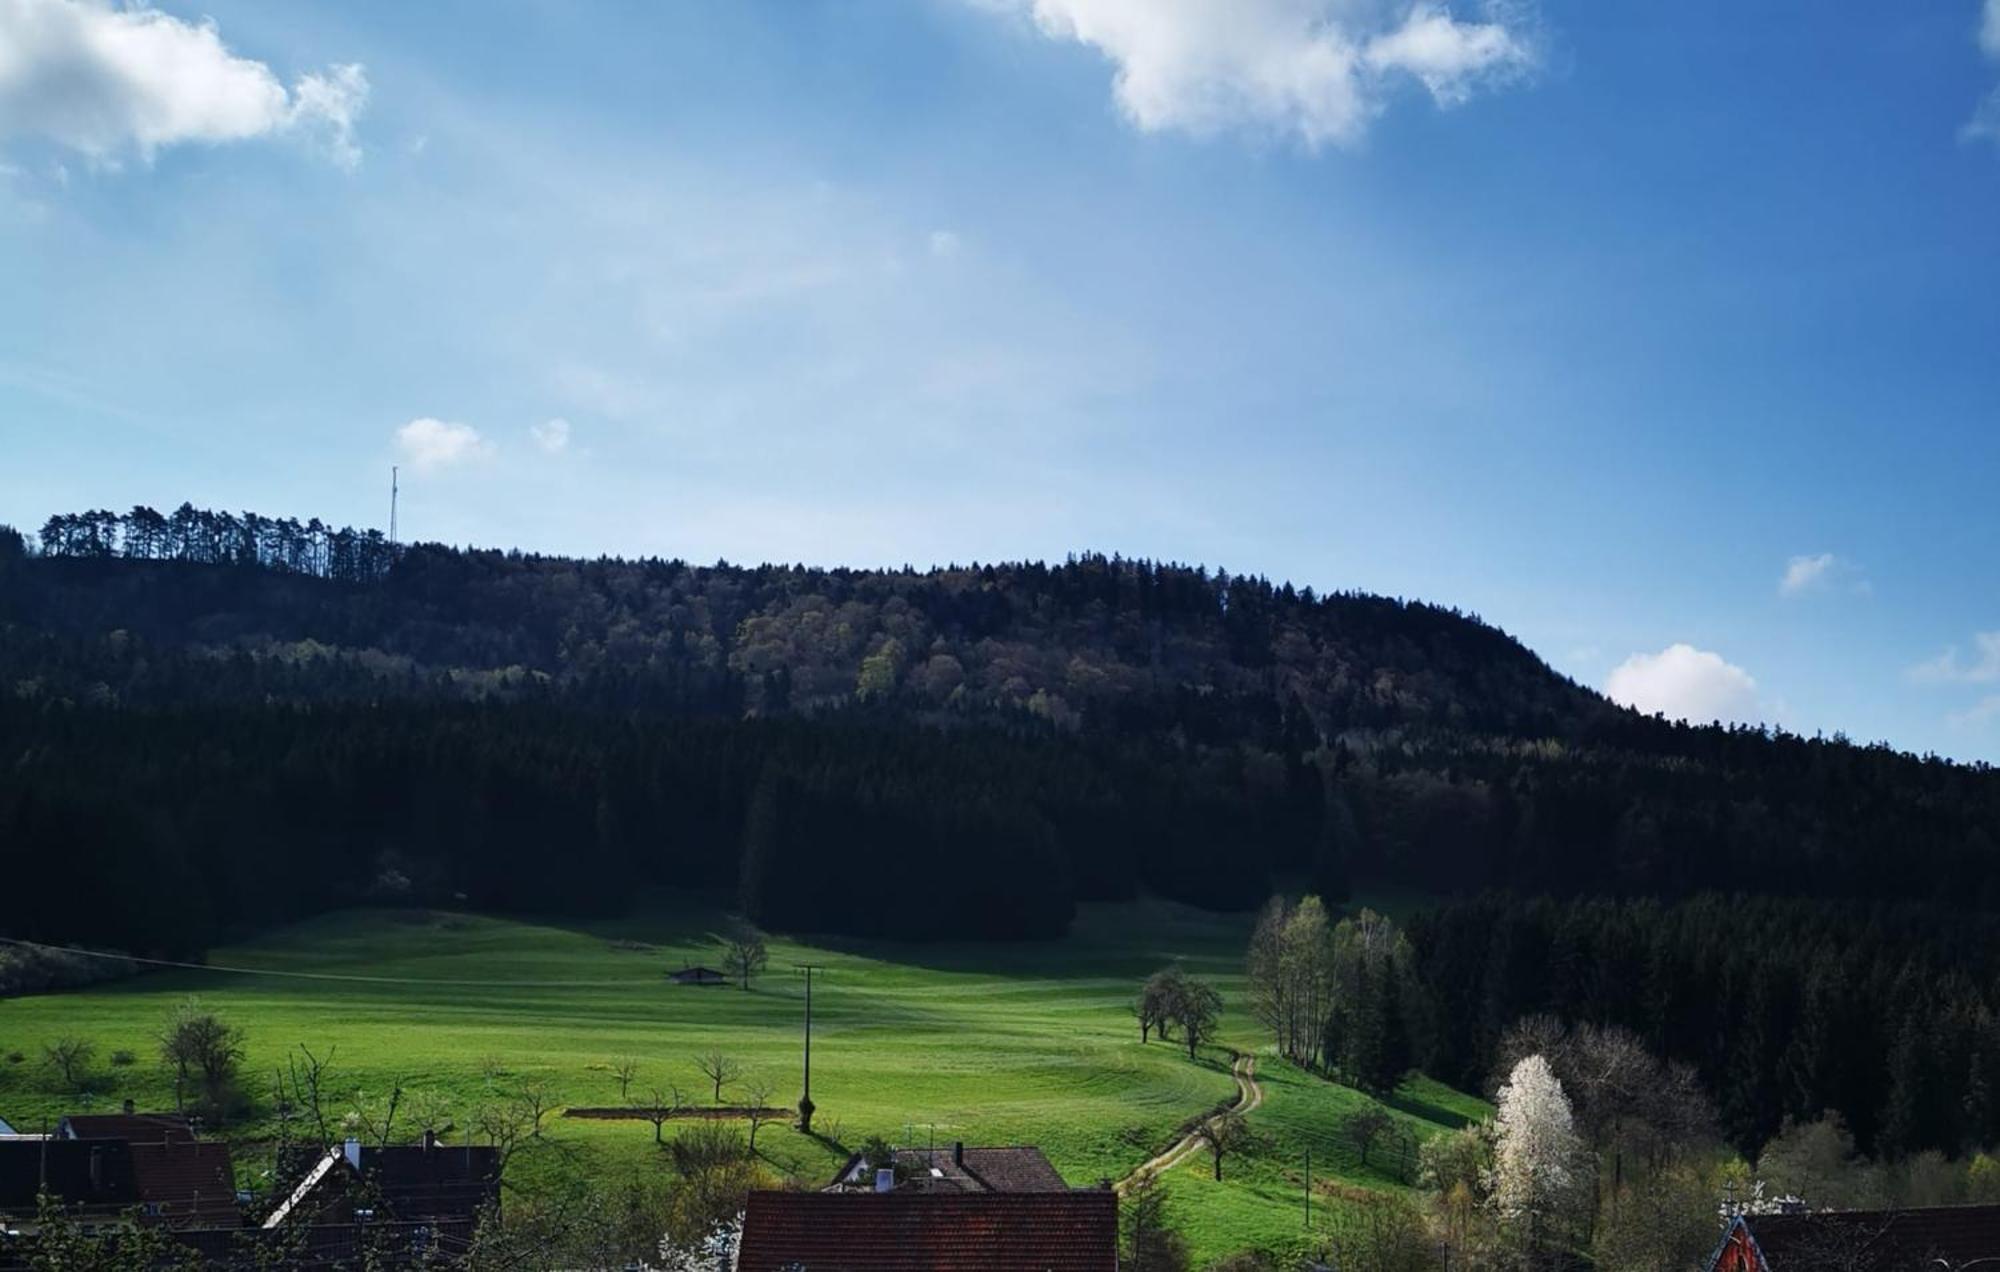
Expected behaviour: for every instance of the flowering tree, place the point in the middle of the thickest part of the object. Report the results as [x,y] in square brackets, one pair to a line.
[1538,1161]
[715,1252]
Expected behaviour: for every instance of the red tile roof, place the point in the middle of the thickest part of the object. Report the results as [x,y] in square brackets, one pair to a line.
[1073,1231]
[186,1181]
[1876,1239]
[137,1128]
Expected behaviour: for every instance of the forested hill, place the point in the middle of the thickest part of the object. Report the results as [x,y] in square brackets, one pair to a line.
[1095,643]
[252,717]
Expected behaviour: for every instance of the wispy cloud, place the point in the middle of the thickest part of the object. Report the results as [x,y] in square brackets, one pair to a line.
[1985,122]
[1978,715]
[1949,668]
[1315,70]
[428,445]
[110,81]
[1818,573]
[1685,683]
[551,435]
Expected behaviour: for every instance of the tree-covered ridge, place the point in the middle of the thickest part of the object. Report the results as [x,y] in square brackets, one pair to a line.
[1087,638]
[203,537]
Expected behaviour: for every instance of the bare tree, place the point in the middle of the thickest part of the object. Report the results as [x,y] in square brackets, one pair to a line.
[1222,1133]
[501,1124]
[431,1110]
[757,1090]
[1367,1128]
[377,1123]
[743,952]
[536,1099]
[306,1080]
[625,1071]
[70,1056]
[662,1106]
[720,1069]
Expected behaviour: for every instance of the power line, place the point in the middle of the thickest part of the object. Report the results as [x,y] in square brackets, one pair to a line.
[324,976]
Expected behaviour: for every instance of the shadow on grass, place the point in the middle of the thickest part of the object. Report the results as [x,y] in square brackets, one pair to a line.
[1424,1109]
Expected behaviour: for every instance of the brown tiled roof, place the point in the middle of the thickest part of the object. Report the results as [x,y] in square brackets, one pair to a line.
[90,1173]
[186,1181]
[1877,1239]
[1013,1170]
[136,1128]
[1071,1231]
[958,1169]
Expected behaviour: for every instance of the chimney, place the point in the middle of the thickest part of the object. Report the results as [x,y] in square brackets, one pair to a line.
[354,1153]
[130,1108]
[958,1153]
[885,1180]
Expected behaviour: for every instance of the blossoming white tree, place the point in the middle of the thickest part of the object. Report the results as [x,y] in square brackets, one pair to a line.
[1537,1156]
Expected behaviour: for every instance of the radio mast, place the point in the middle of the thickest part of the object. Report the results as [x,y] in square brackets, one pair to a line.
[392,505]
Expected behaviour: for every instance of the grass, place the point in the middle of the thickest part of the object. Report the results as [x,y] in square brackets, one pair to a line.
[1029,1043]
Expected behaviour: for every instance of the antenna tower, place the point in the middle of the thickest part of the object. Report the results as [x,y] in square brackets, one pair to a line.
[392,505]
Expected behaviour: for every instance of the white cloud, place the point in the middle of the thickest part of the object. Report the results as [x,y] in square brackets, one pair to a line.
[1684,683]
[552,435]
[428,444]
[1979,714]
[1947,668]
[108,81]
[943,244]
[1985,122]
[1319,70]
[1821,572]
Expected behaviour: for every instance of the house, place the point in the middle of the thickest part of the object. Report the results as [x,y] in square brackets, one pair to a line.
[186,1182]
[1860,1240]
[697,976]
[921,1231]
[93,1179]
[129,1125]
[425,1182]
[108,1167]
[1011,1169]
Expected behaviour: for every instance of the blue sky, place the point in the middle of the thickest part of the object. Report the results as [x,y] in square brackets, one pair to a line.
[1603,321]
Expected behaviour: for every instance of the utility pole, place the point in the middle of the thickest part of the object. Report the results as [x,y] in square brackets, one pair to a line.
[806,1098]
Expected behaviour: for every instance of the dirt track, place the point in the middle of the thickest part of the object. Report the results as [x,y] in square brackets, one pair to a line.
[1248,1096]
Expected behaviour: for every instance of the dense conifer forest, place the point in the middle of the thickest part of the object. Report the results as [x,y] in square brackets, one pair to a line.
[211,723]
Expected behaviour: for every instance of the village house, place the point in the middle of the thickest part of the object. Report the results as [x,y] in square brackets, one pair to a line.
[1075,1230]
[427,1182]
[93,1179]
[1011,1169]
[129,1125]
[111,1168]
[1942,1238]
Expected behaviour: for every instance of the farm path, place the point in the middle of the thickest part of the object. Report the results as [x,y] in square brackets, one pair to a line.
[1248,1096]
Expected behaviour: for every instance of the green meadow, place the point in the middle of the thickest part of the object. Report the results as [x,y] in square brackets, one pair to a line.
[1020,1043]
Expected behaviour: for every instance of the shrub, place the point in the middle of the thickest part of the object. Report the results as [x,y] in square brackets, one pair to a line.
[122,1058]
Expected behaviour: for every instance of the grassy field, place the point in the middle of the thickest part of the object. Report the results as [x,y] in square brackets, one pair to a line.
[991,1043]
